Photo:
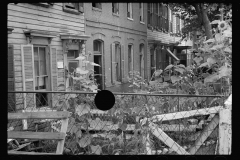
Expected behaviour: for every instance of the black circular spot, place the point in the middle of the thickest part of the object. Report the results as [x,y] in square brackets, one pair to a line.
[104,100]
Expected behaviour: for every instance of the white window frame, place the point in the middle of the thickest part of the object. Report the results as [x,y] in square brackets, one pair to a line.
[129,8]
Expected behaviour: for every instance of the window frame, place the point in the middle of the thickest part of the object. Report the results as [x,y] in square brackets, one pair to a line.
[47,77]
[97,7]
[141,8]
[141,57]
[129,11]
[77,10]
[132,58]
[72,59]
[113,8]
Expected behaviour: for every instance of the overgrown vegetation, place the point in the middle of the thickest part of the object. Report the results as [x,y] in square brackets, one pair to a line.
[110,137]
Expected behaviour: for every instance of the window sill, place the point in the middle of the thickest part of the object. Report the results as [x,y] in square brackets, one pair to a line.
[73,11]
[115,14]
[96,9]
[142,22]
[130,19]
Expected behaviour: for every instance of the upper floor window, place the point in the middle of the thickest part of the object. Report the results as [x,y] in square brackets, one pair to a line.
[74,8]
[129,10]
[115,8]
[97,5]
[150,13]
[158,16]
[141,12]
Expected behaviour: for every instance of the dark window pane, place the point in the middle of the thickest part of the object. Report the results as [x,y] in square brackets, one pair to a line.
[72,66]
[42,59]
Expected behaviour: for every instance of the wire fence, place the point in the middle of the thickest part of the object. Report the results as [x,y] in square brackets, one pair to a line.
[137,123]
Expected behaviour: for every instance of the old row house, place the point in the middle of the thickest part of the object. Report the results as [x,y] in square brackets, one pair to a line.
[44,40]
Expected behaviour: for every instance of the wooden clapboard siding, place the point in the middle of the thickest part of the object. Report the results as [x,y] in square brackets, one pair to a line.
[56,11]
[24,16]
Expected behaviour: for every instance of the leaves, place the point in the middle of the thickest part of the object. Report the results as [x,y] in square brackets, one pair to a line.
[175,79]
[198,60]
[80,58]
[122,126]
[96,149]
[227,49]
[82,109]
[85,140]
[215,22]
[209,40]
[180,70]
[158,72]
[211,78]
[211,61]
[81,71]
[224,71]
[94,64]
[169,67]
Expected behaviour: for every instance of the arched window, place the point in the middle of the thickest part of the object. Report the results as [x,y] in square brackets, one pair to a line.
[141,60]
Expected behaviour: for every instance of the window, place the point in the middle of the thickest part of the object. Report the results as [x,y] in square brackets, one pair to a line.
[98,59]
[72,63]
[160,20]
[170,21]
[115,8]
[141,12]
[141,56]
[41,76]
[165,18]
[150,14]
[130,59]
[118,62]
[129,10]
[97,5]
[155,15]
[74,8]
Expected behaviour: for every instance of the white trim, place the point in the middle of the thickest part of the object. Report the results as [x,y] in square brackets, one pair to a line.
[130,19]
[142,22]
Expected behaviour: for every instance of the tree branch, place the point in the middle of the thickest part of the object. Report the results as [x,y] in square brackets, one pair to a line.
[197,7]
[205,10]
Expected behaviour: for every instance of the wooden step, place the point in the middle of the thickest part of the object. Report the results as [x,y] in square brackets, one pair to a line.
[30,153]
[39,115]
[36,135]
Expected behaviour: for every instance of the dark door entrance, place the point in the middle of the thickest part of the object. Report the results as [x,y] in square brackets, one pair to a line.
[152,62]
[98,72]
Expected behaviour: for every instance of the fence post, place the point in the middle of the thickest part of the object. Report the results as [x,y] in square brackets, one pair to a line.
[225,127]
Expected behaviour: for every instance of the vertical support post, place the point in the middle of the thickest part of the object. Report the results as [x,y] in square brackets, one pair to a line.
[225,127]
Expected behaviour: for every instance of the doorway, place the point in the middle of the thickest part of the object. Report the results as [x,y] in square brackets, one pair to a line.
[98,59]
[152,62]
